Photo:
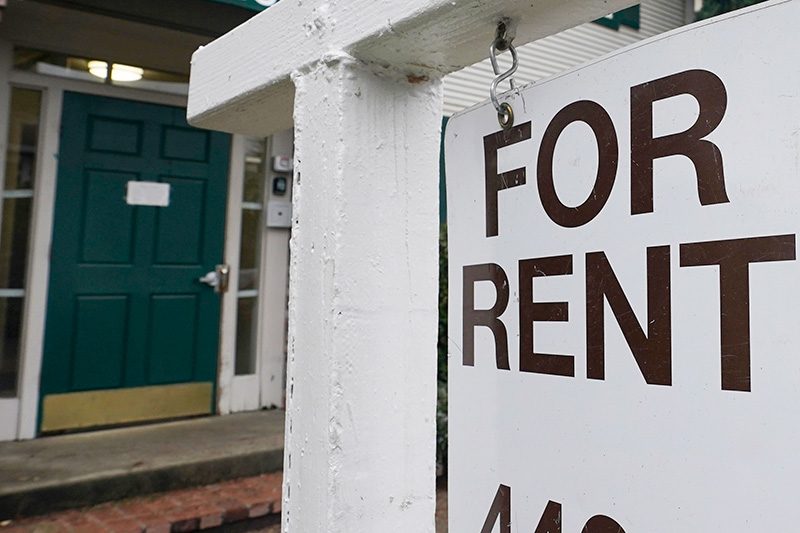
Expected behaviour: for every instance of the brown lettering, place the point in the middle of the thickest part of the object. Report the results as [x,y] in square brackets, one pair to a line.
[598,119]
[733,258]
[550,522]
[497,182]
[602,524]
[653,353]
[530,312]
[709,91]
[501,508]
[472,317]
[551,519]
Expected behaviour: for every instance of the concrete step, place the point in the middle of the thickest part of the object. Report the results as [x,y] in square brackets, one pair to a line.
[80,470]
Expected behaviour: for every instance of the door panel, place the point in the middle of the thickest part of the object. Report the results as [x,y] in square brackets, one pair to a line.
[107,224]
[100,346]
[171,356]
[125,309]
[179,238]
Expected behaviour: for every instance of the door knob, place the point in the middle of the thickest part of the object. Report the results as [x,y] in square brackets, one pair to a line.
[217,278]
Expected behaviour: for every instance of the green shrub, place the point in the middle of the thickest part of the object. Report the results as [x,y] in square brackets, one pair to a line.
[441,406]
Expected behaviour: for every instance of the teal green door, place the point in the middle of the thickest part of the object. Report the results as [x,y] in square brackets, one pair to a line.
[131,334]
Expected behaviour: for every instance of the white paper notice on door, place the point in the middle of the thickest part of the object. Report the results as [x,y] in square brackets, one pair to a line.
[148,193]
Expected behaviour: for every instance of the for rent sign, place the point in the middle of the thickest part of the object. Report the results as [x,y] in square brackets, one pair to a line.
[624,288]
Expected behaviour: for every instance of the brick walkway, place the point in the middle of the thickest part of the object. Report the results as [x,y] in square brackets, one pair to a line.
[185,510]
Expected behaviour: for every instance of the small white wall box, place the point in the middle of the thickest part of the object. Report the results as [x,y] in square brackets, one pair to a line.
[282,163]
[279,214]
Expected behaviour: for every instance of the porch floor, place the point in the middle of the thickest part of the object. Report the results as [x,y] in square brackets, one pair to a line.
[79,470]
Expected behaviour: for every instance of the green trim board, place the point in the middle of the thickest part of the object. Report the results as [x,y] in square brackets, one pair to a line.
[442,178]
[253,5]
[626,17]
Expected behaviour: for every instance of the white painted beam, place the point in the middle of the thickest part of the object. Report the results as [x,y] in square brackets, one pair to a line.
[241,82]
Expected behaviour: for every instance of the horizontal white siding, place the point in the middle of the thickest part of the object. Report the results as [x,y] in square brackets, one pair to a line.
[560,52]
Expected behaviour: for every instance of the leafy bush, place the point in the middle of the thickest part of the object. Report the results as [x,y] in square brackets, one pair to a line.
[441,406]
[712,8]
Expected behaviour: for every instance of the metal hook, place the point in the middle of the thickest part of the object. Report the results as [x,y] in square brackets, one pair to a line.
[505,114]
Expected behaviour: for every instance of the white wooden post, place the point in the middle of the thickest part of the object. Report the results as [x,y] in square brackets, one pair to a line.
[362,79]
[361,390]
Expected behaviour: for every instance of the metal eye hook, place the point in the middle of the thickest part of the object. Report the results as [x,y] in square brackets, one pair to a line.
[505,114]
[504,33]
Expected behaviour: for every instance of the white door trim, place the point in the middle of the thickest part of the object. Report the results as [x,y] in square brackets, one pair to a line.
[9,409]
[39,262]
[274,290]
[233,231]
[244,390]
[265,387]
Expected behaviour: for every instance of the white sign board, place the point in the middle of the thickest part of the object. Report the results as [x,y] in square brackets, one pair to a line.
[150,193]
[624,288]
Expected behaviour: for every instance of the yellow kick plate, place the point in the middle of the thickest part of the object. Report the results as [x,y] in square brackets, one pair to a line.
[76,410]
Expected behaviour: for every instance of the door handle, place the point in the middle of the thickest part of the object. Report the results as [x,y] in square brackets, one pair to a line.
[224,274]
[217,278]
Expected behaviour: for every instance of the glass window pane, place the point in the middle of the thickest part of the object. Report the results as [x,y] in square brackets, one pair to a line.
[246,337]
[250,249]
[255,152]
[10,328]
[23,135]
[14,242]
[17,193]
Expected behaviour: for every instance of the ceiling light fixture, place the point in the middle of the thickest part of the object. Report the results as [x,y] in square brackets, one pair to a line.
[119,72]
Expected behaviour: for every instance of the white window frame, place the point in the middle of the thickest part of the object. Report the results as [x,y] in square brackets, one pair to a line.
[265,387]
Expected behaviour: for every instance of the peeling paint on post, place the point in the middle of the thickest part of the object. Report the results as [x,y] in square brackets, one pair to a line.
[363,321]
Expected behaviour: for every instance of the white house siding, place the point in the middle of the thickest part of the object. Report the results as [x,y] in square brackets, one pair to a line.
[560,52]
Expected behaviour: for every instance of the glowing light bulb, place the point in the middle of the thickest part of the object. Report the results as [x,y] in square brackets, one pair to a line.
[98,68]
[119,72]
[126,72]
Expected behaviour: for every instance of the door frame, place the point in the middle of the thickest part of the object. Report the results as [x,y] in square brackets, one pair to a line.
[266,387]
[228,311]
[273,308]
[26,406]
